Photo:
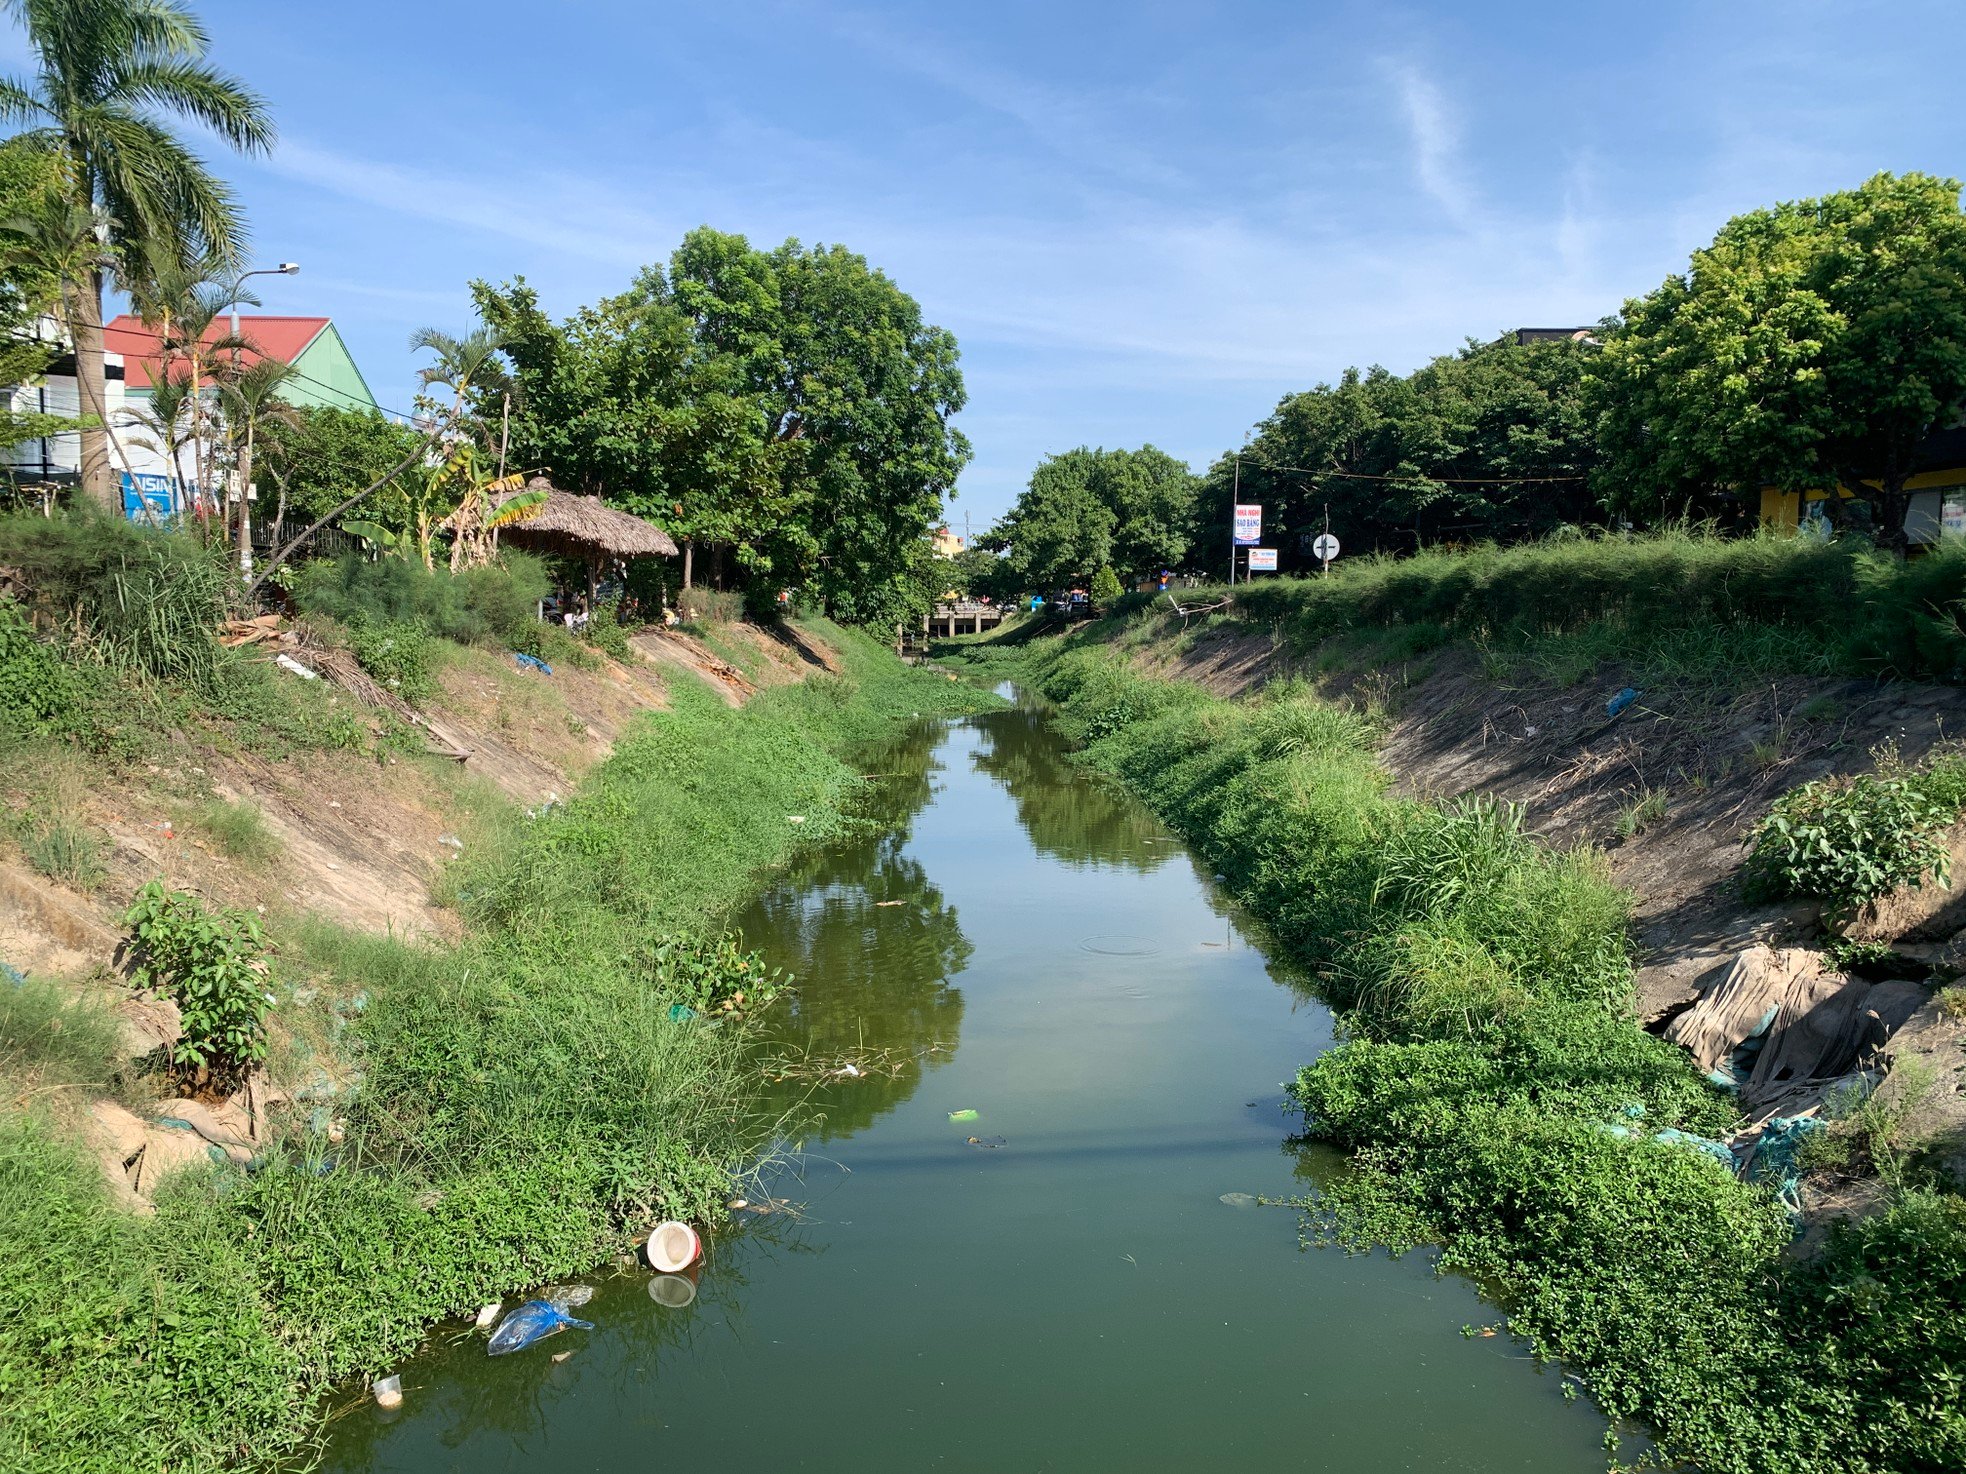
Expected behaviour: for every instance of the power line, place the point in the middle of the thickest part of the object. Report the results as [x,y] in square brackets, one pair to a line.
[1423,476]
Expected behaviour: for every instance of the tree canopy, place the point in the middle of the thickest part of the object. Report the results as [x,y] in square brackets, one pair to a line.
[788,408]
[327,454]
[1493,442]
[1814,342]
[1087,509]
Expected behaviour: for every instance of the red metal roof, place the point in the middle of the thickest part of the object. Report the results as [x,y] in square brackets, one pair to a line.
[284,338]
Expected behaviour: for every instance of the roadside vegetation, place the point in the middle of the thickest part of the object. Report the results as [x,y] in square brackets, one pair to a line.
[1678,603]
[1498,1098]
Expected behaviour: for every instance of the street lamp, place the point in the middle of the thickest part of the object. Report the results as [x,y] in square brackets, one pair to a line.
[285,268]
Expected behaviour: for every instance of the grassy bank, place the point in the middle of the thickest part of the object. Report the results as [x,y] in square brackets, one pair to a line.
[1671,603]
[498,1113]
[1498,1099]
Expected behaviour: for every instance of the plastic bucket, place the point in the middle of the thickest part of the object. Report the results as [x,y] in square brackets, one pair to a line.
[672,1291]
[673,1246]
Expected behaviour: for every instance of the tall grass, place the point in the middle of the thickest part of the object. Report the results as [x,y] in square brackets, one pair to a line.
[1680,602]
[53,1035]
[1500,1099]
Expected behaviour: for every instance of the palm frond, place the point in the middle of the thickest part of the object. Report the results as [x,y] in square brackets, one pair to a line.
[193,90]
[19,103]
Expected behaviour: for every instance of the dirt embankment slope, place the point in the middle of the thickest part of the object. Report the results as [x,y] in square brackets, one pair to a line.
[359,839]
[1669,786]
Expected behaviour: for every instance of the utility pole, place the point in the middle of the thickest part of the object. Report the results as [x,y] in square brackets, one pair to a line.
[1235,496]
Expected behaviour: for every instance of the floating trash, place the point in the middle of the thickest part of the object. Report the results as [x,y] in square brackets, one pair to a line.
[533,1321]
[1240,1200]
[489,1313]
[986,1143]
[962,1115]
[388,1391]
[673,1246]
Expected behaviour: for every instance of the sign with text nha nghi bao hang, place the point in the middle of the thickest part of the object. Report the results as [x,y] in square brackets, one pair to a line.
[1248,524]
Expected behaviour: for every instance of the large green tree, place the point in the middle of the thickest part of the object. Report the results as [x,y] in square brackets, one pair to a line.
[785,413]
[1813,343]
[1088,509]
[325,454]
[110,77]
[850,374]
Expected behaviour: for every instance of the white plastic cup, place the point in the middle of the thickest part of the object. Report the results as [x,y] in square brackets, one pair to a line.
[673,1247]
[388,1392]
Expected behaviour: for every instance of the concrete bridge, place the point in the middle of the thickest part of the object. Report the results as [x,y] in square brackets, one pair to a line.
[962,617]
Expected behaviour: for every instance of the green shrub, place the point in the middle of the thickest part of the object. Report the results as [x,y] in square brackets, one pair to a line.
[1848,840]
[397,653]
[497,603]
[211,964]
[130,1342]
[144,600]
[1876,1324]
[605,632]
[40,693]
[707,607]
[62,848]
[711,975]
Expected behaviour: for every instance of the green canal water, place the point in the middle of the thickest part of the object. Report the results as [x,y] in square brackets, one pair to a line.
[1079,1298]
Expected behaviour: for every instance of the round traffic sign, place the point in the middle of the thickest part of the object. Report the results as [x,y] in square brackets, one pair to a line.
[1326,547]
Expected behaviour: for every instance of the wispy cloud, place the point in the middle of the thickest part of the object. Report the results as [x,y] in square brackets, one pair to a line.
[557,214]
[1076,125]
[1435,134]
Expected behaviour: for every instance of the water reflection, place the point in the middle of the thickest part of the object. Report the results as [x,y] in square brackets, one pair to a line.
[873,945]
[1069,813]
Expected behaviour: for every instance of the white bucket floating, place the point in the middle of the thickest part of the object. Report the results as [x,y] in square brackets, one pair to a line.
[673,1247]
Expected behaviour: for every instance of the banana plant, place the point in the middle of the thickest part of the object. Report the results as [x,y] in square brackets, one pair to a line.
[454,496]
[488,503]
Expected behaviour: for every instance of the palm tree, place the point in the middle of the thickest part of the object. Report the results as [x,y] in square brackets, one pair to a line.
[249,399]
[463,365]
[111,75]
[180,300]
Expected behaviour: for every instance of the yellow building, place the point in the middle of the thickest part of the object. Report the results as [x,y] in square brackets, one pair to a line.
[945,543]
[1938,501]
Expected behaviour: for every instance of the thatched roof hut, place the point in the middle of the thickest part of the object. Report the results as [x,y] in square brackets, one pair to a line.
[586,528]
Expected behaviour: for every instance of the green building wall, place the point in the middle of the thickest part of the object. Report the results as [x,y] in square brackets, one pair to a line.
[331,378]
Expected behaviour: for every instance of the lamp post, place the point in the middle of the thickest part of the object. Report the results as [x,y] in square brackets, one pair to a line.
[285,268]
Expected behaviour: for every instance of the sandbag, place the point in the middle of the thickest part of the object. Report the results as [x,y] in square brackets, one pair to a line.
[1817,1036]
[1742,1005]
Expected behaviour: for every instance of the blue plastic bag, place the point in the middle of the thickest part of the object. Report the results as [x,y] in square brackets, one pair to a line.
[533,1321]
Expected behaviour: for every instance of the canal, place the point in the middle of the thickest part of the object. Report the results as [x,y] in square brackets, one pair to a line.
[1070,1280]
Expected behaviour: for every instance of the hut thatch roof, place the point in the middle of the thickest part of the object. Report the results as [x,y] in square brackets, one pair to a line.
[585,527]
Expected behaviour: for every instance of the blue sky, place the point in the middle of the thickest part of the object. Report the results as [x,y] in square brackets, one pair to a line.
[1144,222]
